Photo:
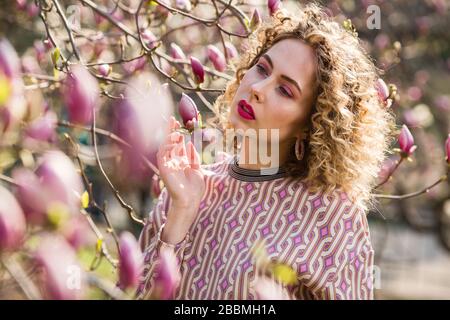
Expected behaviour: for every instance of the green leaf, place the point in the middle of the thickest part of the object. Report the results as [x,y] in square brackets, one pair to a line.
[56,54]
[85,199]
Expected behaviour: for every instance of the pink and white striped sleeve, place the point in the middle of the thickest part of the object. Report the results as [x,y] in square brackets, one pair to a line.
[150,243]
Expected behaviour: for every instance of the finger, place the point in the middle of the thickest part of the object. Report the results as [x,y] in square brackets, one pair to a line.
[194,158]
[173,137]
[177,124]
[182,148]
[171,123]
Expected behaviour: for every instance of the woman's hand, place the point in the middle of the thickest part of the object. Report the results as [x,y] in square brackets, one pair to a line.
[179,168]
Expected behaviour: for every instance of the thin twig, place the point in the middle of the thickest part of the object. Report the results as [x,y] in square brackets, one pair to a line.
[397,164]
[122,202]
[413,194]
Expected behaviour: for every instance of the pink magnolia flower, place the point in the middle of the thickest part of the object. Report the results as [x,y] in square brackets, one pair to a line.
[32,9]
[140,120]
[217,58]
[21,4]
[55,182]
[198,70]
[176,52]
[130,261]
[81,95]
[40,50]
[149,38]
[9,61]
[78,233]
[167,276]
[30,195]
[42,128]
[63,277]
[447,149]
[132,66]
[188,110]
[406,141]
[382,89]
[104,69]
[231,50]
[12,221]
[12,101]
[274,6]
[60,180]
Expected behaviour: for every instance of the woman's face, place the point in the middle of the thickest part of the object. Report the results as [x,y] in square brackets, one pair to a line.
[279,88]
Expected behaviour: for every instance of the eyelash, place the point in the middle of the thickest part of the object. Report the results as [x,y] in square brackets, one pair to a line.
[283,91]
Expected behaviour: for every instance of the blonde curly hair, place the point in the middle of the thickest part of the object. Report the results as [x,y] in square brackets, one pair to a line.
[350,128]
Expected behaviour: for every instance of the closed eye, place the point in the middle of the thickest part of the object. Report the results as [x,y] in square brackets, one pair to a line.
[282,90]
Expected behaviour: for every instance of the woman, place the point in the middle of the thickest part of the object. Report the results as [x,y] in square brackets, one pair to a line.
[308,78]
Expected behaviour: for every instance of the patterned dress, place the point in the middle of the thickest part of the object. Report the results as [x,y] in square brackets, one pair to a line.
[324,237]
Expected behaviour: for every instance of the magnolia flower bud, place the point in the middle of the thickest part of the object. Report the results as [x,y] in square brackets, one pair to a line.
[40,50]
[184,5]
[273,5]
[176,52]
[406,141]
[104,69]
[168,275]
[63,277]
[197,69]
[255,20]
[32,9]
[12,221]
[187,109]
[217,58]
[231,50]
[48,44]
[447,149]
[42,128]
[130,261]
[382,89]
[78,233]
[21,4]
[81,95]
[134,65]
[149,38]
[9,61]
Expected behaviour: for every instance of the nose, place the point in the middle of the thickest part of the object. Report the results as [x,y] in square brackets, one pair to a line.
[257,91]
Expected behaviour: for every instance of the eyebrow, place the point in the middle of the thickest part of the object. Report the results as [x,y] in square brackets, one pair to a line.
[285,77]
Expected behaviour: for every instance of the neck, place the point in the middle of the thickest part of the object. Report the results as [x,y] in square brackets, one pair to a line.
[256,154]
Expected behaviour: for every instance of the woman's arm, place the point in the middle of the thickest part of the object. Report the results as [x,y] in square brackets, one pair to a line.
[152,241]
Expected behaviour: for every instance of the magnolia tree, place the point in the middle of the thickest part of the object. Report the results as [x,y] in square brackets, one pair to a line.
[90,100]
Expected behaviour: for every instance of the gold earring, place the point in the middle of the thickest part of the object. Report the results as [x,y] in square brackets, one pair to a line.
[300,154]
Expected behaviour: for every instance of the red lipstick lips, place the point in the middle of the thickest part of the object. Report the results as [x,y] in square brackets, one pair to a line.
[245,110]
